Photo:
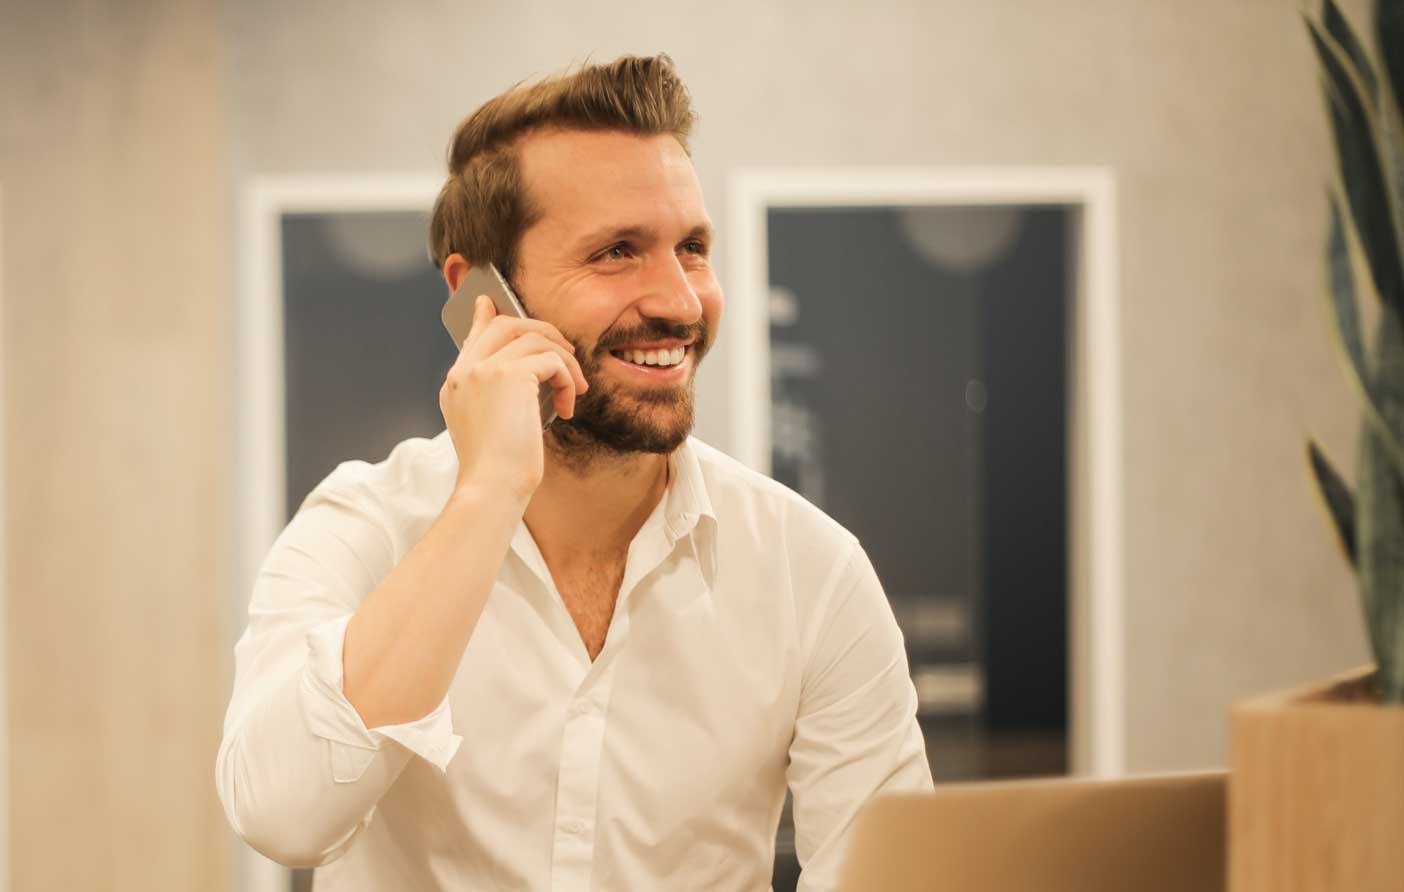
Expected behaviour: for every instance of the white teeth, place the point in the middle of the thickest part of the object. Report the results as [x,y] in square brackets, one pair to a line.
[654,357]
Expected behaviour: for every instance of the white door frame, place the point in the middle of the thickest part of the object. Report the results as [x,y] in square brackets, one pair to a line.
[1096,585]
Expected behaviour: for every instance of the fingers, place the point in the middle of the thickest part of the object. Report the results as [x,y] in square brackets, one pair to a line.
[491,330]
[550,368]
[502,342]
[483,312]
[535,343]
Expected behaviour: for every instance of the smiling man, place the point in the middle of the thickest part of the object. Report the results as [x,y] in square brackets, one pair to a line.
[589,658]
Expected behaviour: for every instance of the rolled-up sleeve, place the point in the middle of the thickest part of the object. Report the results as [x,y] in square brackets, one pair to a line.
[856,734]
[298,772]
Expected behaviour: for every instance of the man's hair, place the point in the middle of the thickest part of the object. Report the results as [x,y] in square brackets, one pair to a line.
[483,209]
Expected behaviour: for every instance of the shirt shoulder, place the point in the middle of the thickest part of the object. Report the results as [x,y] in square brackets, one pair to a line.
[743,497]
[406,489]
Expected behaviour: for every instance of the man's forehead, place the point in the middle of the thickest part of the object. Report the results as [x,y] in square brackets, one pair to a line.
[586,172]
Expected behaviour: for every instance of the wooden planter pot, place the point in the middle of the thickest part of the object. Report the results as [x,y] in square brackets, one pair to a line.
[1316,791]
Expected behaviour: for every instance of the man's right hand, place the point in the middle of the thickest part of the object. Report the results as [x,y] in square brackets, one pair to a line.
[490,398]
[405,642]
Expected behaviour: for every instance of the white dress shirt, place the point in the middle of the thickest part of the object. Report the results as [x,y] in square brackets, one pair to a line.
[751,646]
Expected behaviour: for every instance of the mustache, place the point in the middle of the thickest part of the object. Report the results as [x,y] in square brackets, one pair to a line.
[657,330]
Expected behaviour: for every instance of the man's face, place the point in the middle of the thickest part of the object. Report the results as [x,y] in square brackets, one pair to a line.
[620,262]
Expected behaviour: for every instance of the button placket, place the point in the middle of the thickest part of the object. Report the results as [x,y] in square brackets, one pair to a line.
[582,743]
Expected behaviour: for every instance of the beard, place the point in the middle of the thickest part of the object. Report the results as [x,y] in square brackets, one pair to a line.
[615,421]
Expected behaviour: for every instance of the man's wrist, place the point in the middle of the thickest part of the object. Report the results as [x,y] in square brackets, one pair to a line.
[477,496]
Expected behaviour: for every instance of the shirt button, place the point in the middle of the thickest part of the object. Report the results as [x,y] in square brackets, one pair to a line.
[575,828]
[579,708]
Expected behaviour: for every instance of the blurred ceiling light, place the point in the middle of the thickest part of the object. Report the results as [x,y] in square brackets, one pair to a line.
[962,239]
[976,396]
[375,244]
[784,306]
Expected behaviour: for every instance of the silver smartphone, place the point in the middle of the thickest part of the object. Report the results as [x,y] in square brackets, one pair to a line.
[458,317]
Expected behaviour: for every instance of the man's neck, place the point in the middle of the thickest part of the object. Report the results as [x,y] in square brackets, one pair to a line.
[578,512]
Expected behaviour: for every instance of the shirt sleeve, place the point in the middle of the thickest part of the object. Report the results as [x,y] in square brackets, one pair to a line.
[298,772]
[856,734]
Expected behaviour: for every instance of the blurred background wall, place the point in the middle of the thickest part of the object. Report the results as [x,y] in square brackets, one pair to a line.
[128,128]
[115,193]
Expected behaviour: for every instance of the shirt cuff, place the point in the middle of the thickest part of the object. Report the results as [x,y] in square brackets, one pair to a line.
[332,717]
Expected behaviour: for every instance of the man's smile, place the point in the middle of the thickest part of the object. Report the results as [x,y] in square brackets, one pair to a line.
[655,366]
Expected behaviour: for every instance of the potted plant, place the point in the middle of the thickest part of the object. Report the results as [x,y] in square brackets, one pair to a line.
[1316,794]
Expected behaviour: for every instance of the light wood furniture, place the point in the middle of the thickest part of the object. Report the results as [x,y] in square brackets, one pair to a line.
[1162,833]
[1317,796]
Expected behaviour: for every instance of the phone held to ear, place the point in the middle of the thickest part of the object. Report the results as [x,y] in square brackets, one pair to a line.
[458,317]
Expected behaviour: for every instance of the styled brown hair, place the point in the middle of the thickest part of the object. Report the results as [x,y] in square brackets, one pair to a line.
[483,209]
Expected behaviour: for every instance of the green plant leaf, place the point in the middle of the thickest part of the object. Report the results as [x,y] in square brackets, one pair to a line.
[1344,35]
[1389,35]
[1341,285]
[1361,175]
[1379,525]
[1345,317]
[1380,548]
[1337,497]
[1391,140]
[1379,516]
[1389,115]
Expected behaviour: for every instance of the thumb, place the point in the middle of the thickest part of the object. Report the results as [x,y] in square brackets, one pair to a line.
[483,310]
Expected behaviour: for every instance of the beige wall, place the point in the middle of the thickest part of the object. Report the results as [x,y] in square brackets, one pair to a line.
[1208,113]
[122,129]
[113,178]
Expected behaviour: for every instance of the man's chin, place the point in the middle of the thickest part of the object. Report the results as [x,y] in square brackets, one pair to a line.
[623,426]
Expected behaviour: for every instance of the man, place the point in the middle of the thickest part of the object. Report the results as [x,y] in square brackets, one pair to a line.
[589,659]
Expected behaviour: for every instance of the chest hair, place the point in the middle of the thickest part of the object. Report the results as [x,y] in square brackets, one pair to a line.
[589,587]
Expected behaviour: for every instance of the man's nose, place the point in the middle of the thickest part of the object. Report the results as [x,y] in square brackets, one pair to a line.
[668,294]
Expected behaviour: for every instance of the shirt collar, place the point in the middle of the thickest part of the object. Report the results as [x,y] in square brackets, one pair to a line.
[686,501]
[687,510]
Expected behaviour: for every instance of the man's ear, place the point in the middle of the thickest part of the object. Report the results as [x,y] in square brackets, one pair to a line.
[456,266]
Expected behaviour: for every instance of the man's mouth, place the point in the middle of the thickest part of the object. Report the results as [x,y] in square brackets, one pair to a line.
[662,357]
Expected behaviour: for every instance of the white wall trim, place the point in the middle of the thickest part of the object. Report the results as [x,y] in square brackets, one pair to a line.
[1097,686]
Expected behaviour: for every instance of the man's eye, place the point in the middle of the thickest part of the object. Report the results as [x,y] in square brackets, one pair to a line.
[695,246]
[616,252]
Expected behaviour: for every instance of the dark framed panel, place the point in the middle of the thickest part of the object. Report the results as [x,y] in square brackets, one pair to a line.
[364,351]
[919,381]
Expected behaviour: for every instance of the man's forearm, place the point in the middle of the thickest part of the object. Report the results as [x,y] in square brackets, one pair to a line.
[405,642]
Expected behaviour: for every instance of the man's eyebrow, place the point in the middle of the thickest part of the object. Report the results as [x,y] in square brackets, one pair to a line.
[614,234]
[637,233]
